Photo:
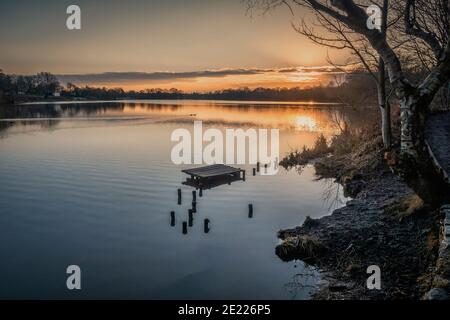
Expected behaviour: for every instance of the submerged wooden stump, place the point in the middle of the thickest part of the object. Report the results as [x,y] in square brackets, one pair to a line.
[179,196]
[206,226]
[172,218]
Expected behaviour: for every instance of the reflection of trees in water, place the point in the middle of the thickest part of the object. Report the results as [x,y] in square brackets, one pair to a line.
[351,118]
[4,125]
[332,194]
[303,281]
[282,116]
[49,113]
[326,117]
[58,110]
[45,124]
[23,113]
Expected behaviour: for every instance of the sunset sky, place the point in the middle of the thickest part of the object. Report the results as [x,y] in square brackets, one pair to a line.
[136,44]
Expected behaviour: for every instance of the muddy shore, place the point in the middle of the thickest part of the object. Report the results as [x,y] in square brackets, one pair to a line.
[385,224]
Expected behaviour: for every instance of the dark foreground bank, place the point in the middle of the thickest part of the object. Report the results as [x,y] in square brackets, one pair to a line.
[386,224]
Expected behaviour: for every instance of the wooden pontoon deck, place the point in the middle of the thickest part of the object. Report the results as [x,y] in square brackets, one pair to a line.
[213,171]
[211,184]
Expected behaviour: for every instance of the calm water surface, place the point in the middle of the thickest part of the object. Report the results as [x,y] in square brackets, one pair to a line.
[92,184]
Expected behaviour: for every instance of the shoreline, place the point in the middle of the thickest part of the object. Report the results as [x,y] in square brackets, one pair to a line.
[264,102]
[385,224]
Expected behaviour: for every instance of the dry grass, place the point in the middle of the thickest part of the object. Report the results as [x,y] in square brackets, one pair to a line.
[302,247]
[407,207]
[439,282]
[432,241]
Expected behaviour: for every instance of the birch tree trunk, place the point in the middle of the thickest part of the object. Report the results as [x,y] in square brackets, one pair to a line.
[383,102]
[384,105]
[411,131]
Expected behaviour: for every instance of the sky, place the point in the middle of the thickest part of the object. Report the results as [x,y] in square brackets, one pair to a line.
[192,45]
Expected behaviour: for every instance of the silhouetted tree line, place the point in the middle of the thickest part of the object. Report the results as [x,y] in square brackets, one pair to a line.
[354,90]
[42,84]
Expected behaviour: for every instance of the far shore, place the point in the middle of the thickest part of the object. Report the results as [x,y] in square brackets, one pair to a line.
[34,100]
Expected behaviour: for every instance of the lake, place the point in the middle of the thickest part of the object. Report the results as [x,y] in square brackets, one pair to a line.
[92,184]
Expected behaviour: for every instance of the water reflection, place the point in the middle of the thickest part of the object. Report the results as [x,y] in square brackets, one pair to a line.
[306,280]
[332,194]
[104,194]
[305,123]
[200,185]
[312,118]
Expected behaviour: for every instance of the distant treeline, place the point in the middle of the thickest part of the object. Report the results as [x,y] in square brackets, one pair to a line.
[355,89]
[42,84]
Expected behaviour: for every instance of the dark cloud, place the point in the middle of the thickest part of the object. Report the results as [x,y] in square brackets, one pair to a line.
[324,69]
[288,70]
[167,77]
[155,76]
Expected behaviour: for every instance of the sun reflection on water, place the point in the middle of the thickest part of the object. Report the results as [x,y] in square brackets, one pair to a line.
[305,123]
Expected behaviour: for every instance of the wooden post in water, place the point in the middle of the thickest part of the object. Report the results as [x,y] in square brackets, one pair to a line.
[179,196]
[172,218]
[194,195]
[254,171]
[206,226]
[265,168]
[243,175]
[194,206]
[191,216]
[257,166]
[184,227]
[250,210]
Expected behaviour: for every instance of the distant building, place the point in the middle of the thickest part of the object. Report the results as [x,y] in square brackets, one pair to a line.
[56,94]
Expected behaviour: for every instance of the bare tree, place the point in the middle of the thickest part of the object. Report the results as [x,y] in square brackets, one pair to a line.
[339,36]
[415,52]
[415,99]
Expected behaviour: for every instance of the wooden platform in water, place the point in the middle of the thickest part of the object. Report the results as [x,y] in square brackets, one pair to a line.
[213,171]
